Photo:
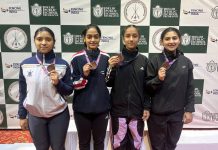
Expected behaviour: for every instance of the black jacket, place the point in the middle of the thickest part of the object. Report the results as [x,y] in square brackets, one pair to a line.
[176,92]
[128,97]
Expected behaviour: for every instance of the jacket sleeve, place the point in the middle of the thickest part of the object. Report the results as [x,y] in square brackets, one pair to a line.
[65,85]
[79,81]
[152,81]
[22,112]
[190,98]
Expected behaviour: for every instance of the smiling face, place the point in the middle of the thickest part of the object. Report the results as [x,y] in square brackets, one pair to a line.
[92,39]
[131,38]
[44,42]
[170,41]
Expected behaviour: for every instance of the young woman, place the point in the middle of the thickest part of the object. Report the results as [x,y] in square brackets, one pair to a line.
[170,83]
[43,81]
[91,96]
[129,103]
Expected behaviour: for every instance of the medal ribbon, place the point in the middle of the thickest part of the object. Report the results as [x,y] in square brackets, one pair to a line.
[43,67]
[97,61]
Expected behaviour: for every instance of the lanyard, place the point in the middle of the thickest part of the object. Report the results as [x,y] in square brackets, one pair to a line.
[167,60]
[43,67]
[97,61]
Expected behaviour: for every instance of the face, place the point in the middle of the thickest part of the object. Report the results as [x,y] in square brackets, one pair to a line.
[92,39]
[131,38]
[171,41]
[44,42]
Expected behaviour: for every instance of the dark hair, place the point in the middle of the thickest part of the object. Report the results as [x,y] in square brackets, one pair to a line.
[84,32]
[45,29]
[169,30]
[134,26]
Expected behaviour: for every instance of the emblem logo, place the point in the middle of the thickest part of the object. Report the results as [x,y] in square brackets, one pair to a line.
[36,10]
[214,12]
[15,38]
[135,11]
[186,39]
[211,66]
[157,11]
[98,11]
[13,91]
[68,38]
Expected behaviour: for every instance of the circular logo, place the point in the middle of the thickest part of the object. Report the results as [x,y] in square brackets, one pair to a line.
[156,39]
[214,12]
[1,117]
[15,38]
[13,91]
[135,11]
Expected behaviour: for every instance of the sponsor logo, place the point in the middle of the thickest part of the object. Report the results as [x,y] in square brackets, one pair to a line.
[107,12]
[142,40]
[197,92]
[208,116]
[135,11]
[194,12]
[13,91]
[214,12]
[13,116]
[192,40]
[12,9]
[107,39]
[159,12]
[70,39]
[36,10]
[13,65]
[73,10]
[212,66]
[213,91]
[213,40]
[15,38]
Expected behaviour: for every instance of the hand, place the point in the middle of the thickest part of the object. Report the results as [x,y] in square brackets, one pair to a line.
[24,124]
[187,117]
[113,61]
[162,73]
[54,77]
[86,69]
[146,115]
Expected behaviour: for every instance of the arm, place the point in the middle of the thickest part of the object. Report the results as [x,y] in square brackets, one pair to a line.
[22,112]
[79,78]
[64,86]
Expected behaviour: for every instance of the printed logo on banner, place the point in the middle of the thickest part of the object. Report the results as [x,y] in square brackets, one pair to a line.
[3,120]
[208,116]
[213,91]
[72,40]
[16,38]
[12,116]
[163,15]
[135,11]
[198,91]
[44,12]
[214,12]
[156,39]
[105,12]
[214,40]
[2,93]
[194,12]
[12,9]
[12,88]
[194,39]
[212,66]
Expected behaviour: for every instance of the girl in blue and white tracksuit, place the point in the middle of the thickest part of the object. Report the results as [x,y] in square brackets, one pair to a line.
[44,80]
